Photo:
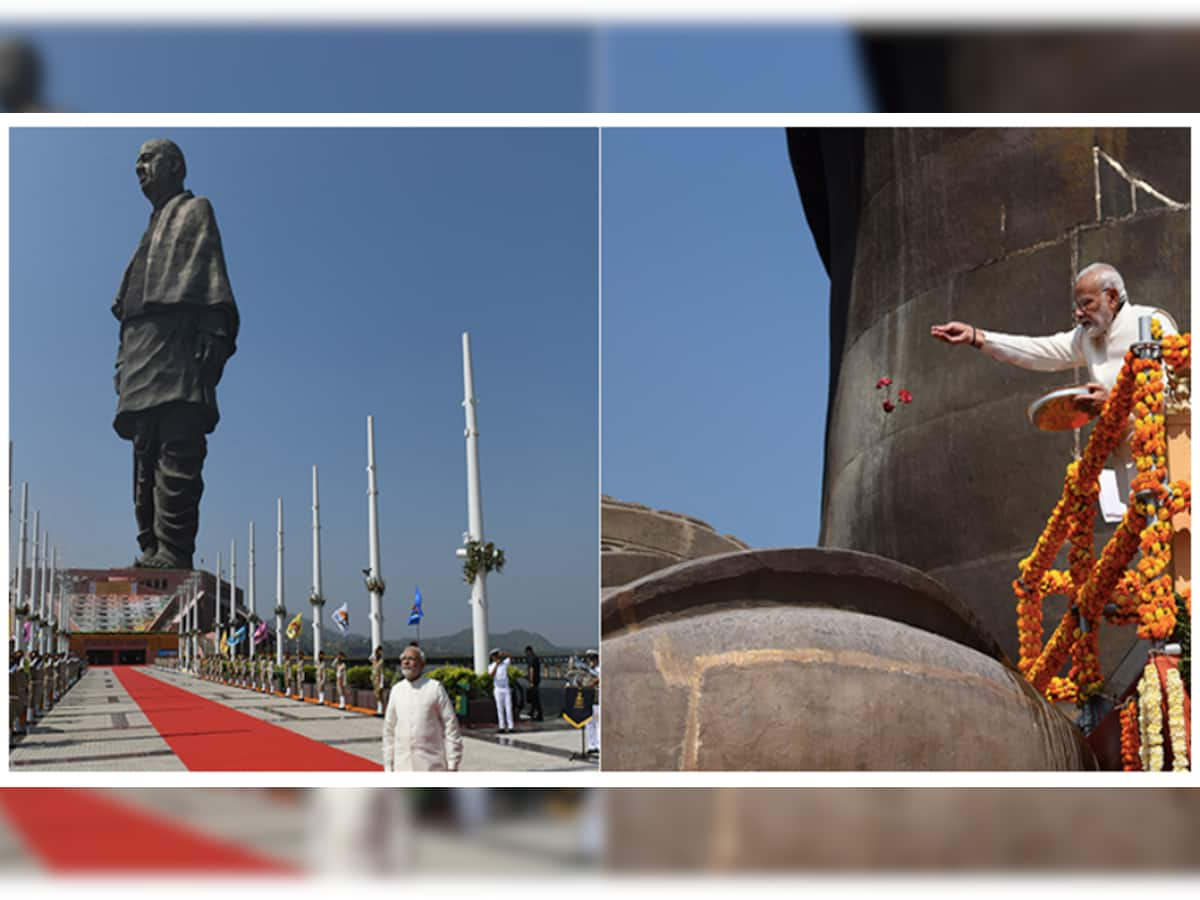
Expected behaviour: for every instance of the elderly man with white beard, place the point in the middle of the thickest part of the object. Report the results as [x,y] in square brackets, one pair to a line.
[1106,326]
[420,729]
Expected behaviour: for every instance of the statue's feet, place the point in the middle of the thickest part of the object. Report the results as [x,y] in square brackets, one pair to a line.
[143,561]
[166,558]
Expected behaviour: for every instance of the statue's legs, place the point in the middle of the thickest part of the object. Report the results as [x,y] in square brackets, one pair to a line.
[145,461]
[178,486]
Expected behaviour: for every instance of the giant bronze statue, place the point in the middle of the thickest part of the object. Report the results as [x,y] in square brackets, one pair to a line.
[179,325]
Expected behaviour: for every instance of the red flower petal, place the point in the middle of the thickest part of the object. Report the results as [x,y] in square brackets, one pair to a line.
[888,405]
[882,382]
[905,396]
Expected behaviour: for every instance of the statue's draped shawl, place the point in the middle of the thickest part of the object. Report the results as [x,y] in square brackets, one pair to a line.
[175,288]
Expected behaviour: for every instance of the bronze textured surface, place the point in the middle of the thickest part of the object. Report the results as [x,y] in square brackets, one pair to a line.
[769,660]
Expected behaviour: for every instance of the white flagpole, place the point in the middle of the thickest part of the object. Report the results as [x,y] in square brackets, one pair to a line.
[279,607]
[51,618]
[195,654]
[316,597]
[36,580]
[22,561]
[250,590]
[232,593]
[376,576]
[43,606]
[479,612]
[181,651]
[59,603]
[219,623]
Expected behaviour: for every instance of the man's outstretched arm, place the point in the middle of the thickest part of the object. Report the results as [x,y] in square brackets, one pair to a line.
[1046,354]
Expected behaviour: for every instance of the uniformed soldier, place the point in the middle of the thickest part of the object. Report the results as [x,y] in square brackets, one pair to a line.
[592,729]
[270,674]
[36,681]
[16,692]
[339,673]
[321,677]
[299,676]
[377,679]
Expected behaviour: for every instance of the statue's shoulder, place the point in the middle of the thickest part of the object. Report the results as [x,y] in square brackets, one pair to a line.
[191,207]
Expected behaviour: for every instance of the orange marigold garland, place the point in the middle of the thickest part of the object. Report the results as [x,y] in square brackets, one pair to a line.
[1129,737]
[1143,595]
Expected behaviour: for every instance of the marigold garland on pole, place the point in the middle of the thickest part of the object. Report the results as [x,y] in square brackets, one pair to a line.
[482,558]
[1105,588]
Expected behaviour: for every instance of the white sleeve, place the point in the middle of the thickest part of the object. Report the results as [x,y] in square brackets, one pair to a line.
[1043,354]
[451,733]
[389,735]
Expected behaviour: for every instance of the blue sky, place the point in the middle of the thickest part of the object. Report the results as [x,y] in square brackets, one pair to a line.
[715,323]
[357,258]
[797,68]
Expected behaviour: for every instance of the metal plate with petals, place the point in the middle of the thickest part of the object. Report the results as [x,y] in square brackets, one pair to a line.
[1056,411]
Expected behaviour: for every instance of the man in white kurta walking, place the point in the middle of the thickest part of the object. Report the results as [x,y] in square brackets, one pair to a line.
[1106,326]
[420,729]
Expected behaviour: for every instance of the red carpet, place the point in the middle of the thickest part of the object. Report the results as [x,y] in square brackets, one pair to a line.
[211,737]
[72,830]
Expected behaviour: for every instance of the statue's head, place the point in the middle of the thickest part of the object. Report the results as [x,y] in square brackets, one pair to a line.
[160,170]
[1099,293]
[20,75]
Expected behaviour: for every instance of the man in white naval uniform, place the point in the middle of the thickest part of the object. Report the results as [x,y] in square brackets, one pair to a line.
[1106,326]
[420,729]
[591,731]
[501,690]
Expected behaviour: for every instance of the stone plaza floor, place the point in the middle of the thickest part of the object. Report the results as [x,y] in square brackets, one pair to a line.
[98,726]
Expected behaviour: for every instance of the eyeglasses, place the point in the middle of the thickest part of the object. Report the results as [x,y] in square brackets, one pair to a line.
[1091,302]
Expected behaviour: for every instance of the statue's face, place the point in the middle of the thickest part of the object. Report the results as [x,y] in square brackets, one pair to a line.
[155,169]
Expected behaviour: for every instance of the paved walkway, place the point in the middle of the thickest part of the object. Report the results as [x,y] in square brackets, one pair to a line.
[98,726]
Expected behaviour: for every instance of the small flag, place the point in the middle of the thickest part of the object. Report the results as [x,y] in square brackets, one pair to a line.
[415,616]
[28,632]
[260,633]
[341,618]
[224,644]
[238,636]
[294,626]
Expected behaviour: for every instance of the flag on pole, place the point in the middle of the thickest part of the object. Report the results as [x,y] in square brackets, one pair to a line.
[294,626]
[224,644]
[260,633]
[28,632]
[415,616]
[238,636]
[341,618]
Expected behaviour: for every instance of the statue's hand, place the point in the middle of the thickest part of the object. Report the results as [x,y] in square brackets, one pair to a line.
[210,354]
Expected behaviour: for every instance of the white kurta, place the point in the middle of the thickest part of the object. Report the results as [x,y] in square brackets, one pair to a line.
[1103,356]
[420,730]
